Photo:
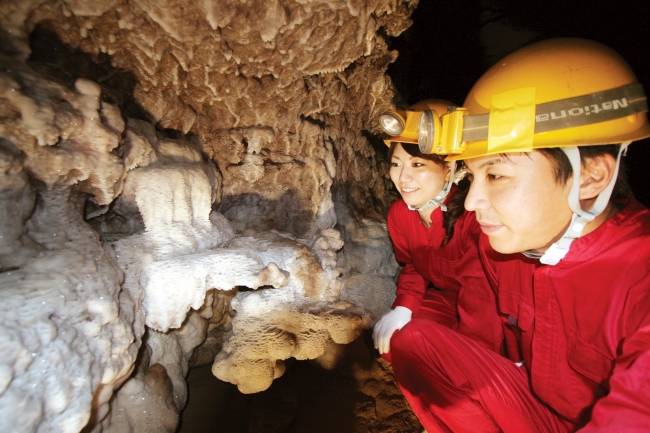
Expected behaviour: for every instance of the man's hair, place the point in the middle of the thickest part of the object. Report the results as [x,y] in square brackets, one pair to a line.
[456,205]
[564,171]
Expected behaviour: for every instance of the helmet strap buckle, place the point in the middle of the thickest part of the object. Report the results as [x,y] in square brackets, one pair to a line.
[580,218]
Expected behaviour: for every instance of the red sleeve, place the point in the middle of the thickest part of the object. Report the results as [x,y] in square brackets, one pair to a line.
[411,286]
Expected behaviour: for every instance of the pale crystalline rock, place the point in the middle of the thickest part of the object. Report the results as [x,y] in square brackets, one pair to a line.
[175,275]
[68,137]
[145,403]
[183,264]
[273,325]
[151,401]
[174,349]
[174,286]
[65,335]
[139,151]
[175,203]
[161,268]
[166,267]
[36,114]
[65,346]
[306,275]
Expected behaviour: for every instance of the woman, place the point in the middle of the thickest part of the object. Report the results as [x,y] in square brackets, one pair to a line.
[435,240]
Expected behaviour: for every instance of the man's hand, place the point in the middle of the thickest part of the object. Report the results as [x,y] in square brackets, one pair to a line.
[387,325]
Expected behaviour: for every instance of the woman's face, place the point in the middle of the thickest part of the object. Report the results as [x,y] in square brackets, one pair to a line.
[418,180]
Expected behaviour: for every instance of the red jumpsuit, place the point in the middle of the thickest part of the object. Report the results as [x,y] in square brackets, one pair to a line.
[581,328]
[443,283]
[442,286]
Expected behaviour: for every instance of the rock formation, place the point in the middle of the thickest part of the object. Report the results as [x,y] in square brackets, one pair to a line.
[169,167]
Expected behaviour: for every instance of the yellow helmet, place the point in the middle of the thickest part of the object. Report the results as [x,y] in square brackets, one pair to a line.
[402,125]
[554,93]
[562,93]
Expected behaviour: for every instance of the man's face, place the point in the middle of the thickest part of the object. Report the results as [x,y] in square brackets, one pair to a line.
[517,201]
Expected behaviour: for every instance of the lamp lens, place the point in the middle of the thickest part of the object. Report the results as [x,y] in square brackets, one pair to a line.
[425,132]
[391,124]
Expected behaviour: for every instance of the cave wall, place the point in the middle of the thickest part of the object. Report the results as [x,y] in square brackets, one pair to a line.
[185,182]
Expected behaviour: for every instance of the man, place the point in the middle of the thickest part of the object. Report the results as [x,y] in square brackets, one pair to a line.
[566,249]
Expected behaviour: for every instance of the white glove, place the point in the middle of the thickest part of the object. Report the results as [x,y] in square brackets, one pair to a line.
[387,325]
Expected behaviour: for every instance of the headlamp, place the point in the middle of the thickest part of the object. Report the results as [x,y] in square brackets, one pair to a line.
[441,135]
[392,123]
[428,127]
[516,123]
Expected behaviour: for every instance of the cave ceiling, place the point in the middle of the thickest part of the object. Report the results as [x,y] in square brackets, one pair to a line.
[252,81]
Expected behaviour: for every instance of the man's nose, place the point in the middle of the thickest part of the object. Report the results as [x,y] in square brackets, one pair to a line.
[476,198]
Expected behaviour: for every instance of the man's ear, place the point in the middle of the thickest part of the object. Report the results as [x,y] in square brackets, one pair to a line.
[595,174]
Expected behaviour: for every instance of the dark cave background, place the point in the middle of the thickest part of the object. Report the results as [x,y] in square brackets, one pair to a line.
[452,43]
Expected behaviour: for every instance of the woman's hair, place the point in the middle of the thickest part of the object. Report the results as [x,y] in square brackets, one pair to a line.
[455,208]
[456,205]
[414,150]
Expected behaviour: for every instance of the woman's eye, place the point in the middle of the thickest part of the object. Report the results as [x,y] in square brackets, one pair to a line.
[494,176]
[417,164]
[394,164]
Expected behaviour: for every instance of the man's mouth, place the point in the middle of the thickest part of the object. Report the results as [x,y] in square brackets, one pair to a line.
[489,229]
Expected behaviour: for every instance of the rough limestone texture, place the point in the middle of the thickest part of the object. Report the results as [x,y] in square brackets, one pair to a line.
[67,327]
[168,167]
